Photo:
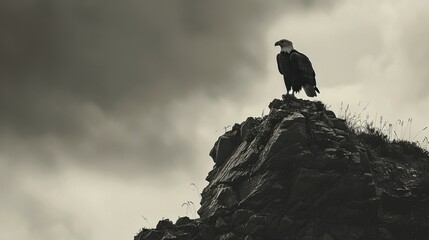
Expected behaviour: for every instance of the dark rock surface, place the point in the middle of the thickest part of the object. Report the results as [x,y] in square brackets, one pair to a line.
[301,173]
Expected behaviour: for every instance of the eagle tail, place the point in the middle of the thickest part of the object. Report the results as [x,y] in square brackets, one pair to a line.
[310,90]
[317,90]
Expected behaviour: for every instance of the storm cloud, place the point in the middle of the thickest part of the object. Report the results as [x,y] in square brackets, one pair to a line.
[108,109]
[57,56]
[95,80]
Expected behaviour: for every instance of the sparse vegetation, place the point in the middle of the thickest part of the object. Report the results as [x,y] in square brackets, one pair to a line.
[196,189]
[147,221]
[190,207]
[380,133]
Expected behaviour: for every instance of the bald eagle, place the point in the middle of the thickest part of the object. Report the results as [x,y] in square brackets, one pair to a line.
[296,69]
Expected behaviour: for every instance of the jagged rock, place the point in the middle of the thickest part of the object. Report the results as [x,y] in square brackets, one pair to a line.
[308,184]
[247,128]
[301,173]
[225,145]
[295,117]
[326,237]
[330,114]
[240,217]
[183,221]
[282,138]
[207,232]
[284,224]
[182,230]
[256,192]
[256,225]
[150,235]
[340,124]
[275,104]
[228,236]
[169,236]
[424,184]
[290,157]
[224,149]
[220,201]
[164,224]
[222,223]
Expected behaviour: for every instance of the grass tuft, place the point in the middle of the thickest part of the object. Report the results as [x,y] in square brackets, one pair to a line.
[190,207]
[392,139]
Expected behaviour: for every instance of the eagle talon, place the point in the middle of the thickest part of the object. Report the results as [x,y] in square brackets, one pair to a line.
[288,96]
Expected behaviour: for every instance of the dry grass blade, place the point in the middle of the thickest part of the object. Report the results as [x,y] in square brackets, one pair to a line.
[147,221]
[419,133]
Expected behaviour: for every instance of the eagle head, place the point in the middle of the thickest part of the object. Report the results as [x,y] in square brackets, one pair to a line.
[285,45]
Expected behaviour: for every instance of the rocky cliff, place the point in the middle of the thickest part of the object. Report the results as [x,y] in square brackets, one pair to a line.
[301,173]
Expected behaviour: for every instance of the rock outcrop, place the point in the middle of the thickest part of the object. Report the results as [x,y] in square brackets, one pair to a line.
[301,173]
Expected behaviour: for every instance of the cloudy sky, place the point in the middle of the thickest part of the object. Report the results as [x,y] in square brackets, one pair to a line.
[108,109]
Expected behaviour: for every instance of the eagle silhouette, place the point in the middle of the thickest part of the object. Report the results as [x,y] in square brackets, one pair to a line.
[296,69]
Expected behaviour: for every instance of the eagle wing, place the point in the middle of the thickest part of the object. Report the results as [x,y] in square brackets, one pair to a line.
[281,64]
[306,75]
[303,67]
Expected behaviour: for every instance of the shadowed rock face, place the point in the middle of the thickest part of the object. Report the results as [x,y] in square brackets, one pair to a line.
[300,173]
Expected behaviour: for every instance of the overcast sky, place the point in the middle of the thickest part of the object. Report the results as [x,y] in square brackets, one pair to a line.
[108,109]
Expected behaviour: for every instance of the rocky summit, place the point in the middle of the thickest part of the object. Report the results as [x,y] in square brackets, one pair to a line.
[301,173]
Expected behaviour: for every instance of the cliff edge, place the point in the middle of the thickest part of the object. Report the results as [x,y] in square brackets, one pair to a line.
[301,173]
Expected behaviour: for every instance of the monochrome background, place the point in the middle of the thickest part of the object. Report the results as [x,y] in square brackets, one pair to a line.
[108,109]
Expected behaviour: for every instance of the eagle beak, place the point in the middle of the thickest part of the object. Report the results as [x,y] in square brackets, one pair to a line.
[277,44]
